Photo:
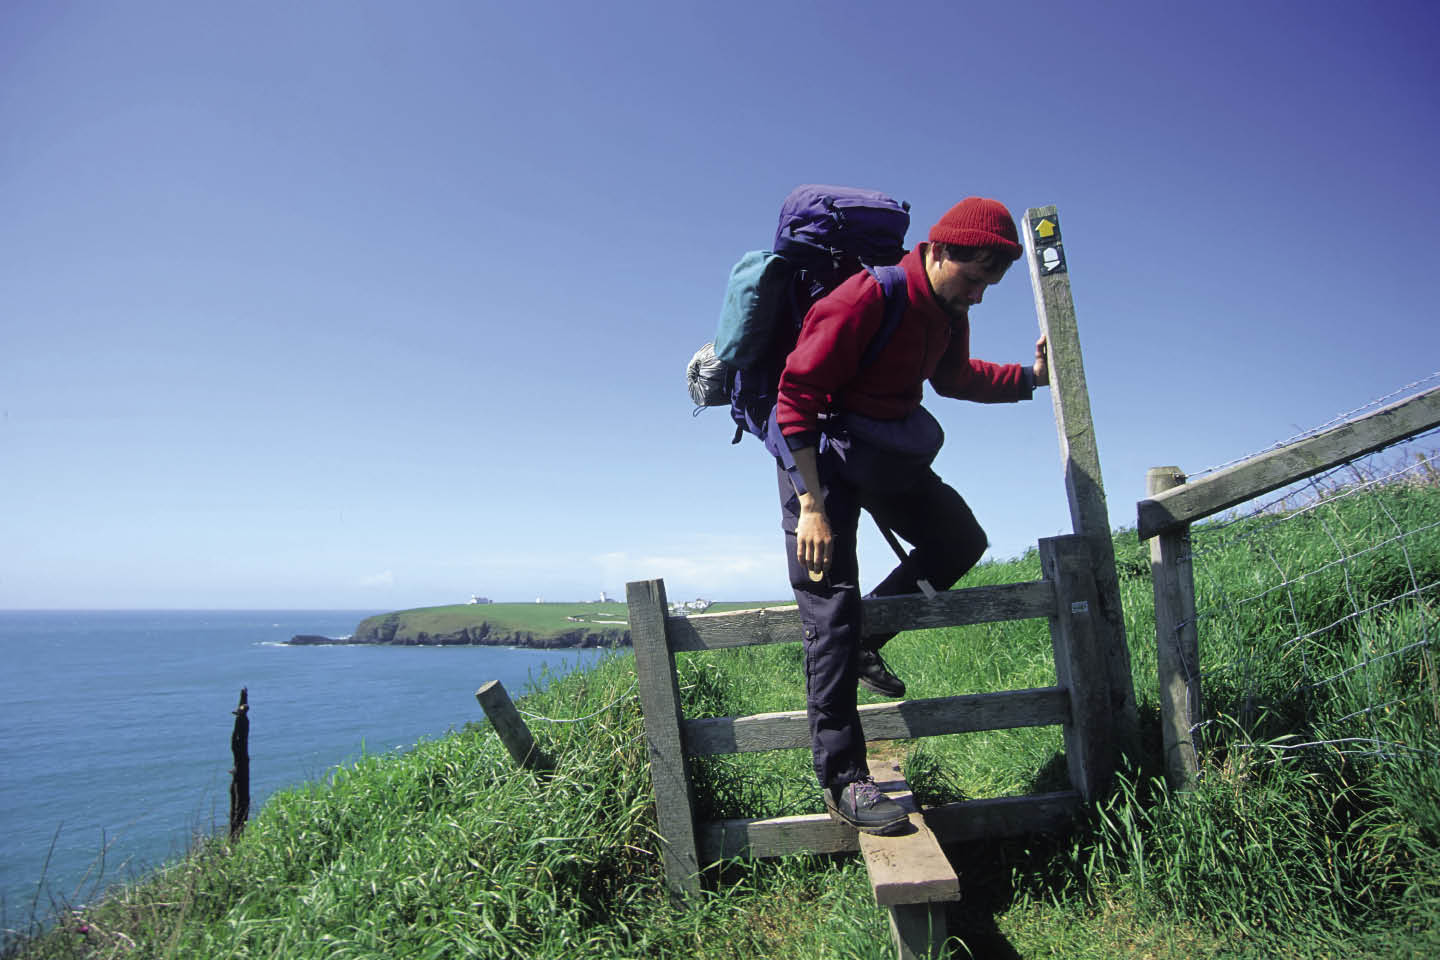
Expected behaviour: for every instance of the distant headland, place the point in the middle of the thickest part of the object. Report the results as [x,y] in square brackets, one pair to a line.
[539,625]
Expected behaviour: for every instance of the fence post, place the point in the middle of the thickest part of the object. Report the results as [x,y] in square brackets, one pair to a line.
[660,699]
[1089,516]
[1079,665]
[1177,643]
[240,773]
[510,728]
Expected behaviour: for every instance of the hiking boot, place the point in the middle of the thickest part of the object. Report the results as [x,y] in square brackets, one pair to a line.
[876,677]
[864,807]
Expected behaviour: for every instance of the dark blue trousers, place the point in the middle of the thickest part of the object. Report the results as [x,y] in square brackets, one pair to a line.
[947,541]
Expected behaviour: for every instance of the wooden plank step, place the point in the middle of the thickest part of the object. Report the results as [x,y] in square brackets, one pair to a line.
[951,823]
[907,867]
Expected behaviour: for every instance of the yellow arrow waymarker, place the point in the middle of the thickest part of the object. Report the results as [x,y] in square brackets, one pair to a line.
[1045,229]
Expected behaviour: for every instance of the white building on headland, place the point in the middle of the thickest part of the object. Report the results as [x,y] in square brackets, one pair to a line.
[684,608]
[476,598]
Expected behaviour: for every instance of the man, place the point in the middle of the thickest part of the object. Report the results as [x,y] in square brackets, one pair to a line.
[829,402]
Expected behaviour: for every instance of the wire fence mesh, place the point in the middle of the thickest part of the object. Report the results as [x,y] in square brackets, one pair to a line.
[1316,610]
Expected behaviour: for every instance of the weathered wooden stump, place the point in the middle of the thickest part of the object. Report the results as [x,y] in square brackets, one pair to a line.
[240,773]
[511,728]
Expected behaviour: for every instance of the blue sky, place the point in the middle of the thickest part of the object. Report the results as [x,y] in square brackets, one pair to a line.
[377,305]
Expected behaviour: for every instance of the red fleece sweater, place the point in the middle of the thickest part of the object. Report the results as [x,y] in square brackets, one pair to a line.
[823,371]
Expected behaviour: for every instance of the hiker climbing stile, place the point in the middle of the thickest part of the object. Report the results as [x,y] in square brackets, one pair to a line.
[860,440]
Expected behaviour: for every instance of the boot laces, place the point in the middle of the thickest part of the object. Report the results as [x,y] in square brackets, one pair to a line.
[865,793]
[874,656]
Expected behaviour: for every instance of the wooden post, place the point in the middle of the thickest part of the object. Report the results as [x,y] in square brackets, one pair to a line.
[1050,279]
[909,872]
[511,728]
[660,700]
[1079,665]
[240,773]
[918,930]
[1177,641]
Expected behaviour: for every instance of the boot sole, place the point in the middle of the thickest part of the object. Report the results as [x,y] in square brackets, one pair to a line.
[876,688]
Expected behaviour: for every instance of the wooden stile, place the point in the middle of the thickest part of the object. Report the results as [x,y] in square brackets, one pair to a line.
[910,874]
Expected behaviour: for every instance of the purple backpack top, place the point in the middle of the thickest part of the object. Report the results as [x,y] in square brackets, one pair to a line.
[825,235]
[821,224]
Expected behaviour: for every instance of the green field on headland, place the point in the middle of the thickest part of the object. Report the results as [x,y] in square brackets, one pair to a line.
[512,622]
[450,850]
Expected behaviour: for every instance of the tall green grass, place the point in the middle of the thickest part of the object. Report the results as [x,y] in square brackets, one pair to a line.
[449,850]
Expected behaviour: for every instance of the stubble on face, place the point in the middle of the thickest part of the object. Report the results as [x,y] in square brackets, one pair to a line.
[960,284]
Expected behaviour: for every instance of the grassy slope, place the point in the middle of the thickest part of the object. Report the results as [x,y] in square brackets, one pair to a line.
[450,851]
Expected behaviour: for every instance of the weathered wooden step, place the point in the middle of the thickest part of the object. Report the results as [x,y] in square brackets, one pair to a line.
[952,823]
[909,866]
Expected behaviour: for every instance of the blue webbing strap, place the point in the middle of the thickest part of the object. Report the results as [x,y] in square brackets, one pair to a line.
[897,300]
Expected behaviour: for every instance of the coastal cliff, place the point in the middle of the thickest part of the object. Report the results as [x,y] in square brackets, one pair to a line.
[423,628]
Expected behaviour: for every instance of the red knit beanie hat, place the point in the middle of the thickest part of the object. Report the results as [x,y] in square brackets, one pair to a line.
[979,222]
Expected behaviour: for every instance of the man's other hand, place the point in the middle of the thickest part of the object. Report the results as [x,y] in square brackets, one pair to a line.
[813,541]
[1042,364]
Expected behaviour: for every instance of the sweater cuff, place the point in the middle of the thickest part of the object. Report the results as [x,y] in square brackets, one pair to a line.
[1027,375]
[799,441]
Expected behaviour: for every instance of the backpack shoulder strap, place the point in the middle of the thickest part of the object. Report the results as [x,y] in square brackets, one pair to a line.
[897,301]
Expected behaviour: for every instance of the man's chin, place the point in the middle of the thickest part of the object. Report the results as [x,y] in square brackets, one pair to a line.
[959,313]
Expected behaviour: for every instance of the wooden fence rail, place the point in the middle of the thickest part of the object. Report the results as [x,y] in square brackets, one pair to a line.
[1182,505]
[1173,504]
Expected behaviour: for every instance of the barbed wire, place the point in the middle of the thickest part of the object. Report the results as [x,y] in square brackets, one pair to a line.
[1332,422]
[536,716]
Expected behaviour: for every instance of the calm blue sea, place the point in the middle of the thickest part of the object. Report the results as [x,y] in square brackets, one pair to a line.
[115,727]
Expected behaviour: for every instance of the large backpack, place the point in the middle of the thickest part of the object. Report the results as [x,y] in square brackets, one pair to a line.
[825,235]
